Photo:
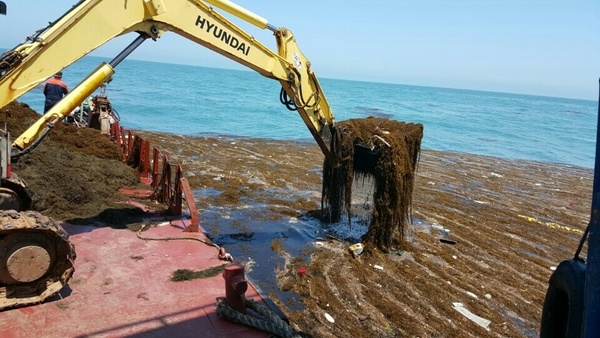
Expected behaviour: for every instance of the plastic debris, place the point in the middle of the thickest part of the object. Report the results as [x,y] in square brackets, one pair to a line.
[224,255]
[445,238]
[356,249]
[484,323]
[472,294]
[551,225]
[444,234]
[302,270]
[329,318]
[378,267]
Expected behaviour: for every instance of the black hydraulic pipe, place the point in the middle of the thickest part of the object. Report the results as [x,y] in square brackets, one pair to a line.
[15,156]
[113,63]
[591,315]
[125,52]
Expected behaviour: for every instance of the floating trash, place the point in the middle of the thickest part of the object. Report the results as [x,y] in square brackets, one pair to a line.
[484,323]
[329,318]
[356,249]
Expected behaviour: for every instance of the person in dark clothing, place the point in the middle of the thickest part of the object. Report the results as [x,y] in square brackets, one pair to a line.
[54,90]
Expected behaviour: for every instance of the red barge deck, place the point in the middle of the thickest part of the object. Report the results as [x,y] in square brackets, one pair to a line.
[122,288]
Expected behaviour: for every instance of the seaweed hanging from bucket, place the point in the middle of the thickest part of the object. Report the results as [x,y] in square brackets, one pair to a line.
[389,151]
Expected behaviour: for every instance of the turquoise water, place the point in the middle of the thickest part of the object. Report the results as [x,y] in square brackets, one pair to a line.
[195,100]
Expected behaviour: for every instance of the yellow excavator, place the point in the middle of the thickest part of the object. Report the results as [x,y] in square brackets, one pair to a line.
[36,258]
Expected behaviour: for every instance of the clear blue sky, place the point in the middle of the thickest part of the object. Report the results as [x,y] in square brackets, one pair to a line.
[549,47]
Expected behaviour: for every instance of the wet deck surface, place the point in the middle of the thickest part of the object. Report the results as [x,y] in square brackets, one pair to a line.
[122,288]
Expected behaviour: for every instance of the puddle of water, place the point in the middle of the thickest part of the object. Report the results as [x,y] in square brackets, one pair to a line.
[516,321]
[534,255]
[206,193]
[249,238]
[249,232]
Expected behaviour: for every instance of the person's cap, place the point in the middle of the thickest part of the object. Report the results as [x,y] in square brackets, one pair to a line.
[59,74]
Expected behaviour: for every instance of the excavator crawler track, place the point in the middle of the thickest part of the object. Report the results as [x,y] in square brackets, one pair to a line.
[36,258]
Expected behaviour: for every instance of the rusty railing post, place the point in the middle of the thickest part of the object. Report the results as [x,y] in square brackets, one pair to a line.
[189,197]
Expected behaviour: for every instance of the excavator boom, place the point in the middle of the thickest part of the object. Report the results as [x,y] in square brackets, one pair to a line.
[90,24]
[86,26]
[53,48]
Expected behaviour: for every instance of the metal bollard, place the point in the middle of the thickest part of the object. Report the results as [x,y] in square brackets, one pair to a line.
[235,287]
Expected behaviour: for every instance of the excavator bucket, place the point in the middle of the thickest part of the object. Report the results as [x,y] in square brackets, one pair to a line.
[365,158]
[373,154]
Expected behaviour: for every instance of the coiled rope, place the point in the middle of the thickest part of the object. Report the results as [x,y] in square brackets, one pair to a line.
[272,324]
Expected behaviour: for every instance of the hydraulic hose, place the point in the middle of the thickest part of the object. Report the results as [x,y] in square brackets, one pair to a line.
[16,156]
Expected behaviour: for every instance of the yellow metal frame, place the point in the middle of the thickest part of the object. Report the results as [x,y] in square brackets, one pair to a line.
[70,38]
[65,106]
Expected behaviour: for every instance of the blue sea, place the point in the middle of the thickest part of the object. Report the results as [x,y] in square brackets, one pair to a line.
[196,101]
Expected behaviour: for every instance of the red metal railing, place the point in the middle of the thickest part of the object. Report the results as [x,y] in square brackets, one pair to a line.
[166,179]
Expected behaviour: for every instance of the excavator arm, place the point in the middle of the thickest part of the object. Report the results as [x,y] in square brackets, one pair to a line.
[38,259]
[70,38]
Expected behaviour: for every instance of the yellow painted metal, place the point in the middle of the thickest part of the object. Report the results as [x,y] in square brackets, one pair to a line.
[65,106]
[240,12]
[92,23]
[155,7]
